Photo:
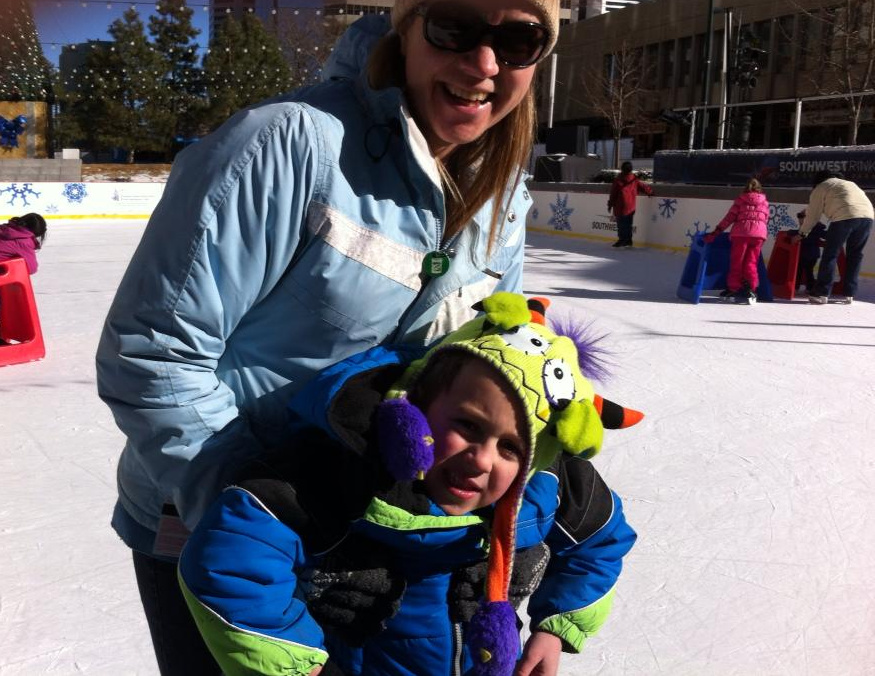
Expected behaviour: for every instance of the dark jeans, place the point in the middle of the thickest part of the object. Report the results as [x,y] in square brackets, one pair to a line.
[178,645]
[853,235]
[624,227]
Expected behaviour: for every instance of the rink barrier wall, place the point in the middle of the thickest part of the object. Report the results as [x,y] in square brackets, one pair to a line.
[80,200]
[669,220]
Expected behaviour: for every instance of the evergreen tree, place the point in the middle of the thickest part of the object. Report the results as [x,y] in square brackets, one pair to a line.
[244,65]
[25,74]
[117,92]
[180,98]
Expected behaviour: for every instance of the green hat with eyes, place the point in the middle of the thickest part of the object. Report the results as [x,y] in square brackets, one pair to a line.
[563,412]
[548,9]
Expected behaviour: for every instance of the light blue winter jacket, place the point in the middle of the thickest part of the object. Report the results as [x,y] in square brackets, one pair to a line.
[287,240]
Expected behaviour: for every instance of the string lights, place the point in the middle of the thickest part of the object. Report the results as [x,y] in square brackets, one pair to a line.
[24,72]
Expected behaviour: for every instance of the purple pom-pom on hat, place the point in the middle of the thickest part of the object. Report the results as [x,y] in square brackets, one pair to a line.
[404,438]
[493,639]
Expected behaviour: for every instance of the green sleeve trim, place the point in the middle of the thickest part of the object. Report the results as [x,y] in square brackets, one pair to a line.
[575,626]
[389,516]
[243,653]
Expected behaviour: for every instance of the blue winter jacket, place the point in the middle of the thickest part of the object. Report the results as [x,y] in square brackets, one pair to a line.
[239,570]
[288,239]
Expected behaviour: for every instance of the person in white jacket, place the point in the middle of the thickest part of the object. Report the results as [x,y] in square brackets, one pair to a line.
[850,215]
[375,207]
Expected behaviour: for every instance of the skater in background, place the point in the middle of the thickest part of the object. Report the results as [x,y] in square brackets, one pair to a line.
[22,237]
[622,201]
[850,215]
[748,217]
[809,253]
[374,207]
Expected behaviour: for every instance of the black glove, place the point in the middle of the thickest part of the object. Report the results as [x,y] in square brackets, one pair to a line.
[466,585]
[354,590]
[330,668]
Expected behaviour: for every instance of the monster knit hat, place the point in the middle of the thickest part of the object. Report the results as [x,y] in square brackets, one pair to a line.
[563,414]
[548,9]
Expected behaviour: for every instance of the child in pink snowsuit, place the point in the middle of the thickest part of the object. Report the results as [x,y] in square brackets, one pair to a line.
[748,217]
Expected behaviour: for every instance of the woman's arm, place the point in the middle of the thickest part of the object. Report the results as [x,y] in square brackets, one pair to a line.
[218,242]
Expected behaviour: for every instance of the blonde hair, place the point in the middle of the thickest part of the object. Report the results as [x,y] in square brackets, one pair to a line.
[753,185]
[475,172]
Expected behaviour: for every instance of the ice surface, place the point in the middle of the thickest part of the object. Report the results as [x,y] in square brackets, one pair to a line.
[751,481]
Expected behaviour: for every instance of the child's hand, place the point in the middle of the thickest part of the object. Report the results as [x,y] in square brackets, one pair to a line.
[540,656]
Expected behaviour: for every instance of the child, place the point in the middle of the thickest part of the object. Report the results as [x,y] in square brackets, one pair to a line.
[809,253]
[748,217]
[624,194]
[21,237]
[502,421]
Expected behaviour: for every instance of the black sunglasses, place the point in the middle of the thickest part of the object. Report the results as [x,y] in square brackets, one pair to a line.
[457,28]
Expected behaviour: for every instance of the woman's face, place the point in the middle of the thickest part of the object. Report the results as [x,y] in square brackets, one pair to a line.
[456,97]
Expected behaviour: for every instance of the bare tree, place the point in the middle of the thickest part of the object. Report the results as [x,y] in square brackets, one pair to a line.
[838,46]
[616,90]
[306,38]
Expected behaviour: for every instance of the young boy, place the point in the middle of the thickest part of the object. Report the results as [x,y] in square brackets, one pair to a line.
[622,200]
[501,420]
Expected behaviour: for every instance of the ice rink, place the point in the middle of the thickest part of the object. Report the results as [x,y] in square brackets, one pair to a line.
[751,482]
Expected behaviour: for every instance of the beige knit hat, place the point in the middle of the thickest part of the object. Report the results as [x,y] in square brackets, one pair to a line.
[548,9]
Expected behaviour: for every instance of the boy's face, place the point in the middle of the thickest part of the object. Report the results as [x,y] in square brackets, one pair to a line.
[479,440]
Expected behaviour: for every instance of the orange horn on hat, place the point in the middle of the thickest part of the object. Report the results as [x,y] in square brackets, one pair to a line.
[614,416]
[538,307]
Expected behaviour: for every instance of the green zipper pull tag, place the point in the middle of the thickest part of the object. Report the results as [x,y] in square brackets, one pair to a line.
[435,264]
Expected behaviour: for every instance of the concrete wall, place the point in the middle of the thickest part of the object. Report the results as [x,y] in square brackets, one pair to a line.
[668,220]
[40,170]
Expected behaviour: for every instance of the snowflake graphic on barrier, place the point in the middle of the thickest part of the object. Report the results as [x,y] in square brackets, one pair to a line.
[780,219]
[535,214]
[561,212]
[52,209]
[21,193]
[75,192]
[699,231]
[667,207]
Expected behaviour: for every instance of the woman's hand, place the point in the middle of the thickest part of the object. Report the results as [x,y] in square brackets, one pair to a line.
[540,656]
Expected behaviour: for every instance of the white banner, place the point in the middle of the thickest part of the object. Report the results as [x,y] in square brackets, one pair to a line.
[80,200]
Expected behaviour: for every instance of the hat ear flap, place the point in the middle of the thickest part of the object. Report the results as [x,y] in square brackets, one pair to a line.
[579,429]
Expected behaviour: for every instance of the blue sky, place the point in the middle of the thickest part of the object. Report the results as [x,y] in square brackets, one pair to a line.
[62,22]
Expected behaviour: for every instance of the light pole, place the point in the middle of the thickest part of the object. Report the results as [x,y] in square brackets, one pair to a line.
[706,85]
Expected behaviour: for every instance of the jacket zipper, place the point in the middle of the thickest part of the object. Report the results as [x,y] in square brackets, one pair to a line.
[457,650]
[439,231]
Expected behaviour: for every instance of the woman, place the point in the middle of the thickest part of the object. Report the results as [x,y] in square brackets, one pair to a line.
[348,214]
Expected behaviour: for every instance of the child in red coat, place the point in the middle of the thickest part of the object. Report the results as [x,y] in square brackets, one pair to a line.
[624,192]
[748,217]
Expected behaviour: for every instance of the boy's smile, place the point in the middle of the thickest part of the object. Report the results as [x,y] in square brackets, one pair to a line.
[477,424]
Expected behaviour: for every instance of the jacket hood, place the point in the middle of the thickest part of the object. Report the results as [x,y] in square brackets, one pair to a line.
[349,58]
[753,197]
[9,232]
